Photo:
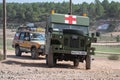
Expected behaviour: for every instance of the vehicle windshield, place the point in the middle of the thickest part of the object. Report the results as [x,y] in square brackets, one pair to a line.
[60,27]
[38,37]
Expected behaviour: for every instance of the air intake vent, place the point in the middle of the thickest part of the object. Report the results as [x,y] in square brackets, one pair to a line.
[74,42]
[66,42]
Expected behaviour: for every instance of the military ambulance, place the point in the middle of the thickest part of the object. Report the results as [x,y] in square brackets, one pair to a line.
[67,38]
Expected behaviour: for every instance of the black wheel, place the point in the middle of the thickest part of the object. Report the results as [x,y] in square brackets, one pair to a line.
[55,61]
[88,62]
[47,59]
[50,58]
[18,51]
[76,62]
[34,53]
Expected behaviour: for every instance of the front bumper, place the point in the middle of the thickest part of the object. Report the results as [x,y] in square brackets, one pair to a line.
[74,52]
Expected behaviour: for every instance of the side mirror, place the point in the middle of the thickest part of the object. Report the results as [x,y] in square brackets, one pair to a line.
[93,34]
[94,40]
[26,38]
[50,30]
[98,34]
[94,37]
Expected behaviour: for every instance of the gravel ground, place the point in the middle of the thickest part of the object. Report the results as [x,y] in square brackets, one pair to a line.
[25,68]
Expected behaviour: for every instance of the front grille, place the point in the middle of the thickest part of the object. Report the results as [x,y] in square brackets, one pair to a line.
[66,43]
[82,43]
[74,42]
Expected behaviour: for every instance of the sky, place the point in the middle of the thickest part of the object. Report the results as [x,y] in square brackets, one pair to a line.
[74,1]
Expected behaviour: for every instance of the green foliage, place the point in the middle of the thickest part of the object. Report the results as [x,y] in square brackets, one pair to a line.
[113,57]
[105,4]
[114,9]
[92,12]
[33,12]
[84,7]
[0,10]
[99,8]
[9,44]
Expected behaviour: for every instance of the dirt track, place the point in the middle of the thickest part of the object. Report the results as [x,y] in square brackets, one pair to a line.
[24,68]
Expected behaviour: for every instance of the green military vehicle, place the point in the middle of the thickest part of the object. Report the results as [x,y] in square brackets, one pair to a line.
[67,38]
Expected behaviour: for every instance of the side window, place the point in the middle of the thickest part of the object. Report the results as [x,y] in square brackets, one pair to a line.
[16,37]
[22,36]
[27,36]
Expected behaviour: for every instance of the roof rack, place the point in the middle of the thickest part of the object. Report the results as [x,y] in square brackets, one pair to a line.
[33,29]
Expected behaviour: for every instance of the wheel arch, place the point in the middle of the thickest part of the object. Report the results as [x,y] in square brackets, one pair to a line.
[16,45]
[33,46]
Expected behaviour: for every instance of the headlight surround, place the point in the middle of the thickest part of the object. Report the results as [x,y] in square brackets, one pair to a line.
[42,47]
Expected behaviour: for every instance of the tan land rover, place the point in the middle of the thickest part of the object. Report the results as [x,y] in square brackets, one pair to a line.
[29,41]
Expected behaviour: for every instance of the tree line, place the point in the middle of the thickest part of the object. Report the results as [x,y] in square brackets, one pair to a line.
[34,12]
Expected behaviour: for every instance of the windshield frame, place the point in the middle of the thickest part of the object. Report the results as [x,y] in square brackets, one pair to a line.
[60,28]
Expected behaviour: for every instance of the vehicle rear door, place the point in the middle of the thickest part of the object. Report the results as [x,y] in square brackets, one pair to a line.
[27,44]
[21,40]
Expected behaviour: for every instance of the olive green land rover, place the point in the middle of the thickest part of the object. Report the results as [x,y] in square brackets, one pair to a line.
[67,38]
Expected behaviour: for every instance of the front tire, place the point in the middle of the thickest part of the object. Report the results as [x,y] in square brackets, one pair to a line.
[18,51]
[76,62]
[34,53]
[46,59]
[88,62]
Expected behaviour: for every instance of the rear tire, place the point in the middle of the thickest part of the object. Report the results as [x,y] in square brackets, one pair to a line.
[76,62]
[46,59]
[34,53]
[18,51]
[88,62]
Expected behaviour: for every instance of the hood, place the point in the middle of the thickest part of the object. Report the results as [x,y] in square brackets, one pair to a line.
[39,42]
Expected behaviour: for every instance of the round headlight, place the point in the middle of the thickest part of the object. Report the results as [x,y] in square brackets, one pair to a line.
[42,46]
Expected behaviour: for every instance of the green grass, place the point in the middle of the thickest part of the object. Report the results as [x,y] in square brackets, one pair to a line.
[109,49]
[1,57]
[9,44]
[107,38]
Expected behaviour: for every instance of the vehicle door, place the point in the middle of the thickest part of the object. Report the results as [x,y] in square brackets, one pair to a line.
[21,40]
[27,44]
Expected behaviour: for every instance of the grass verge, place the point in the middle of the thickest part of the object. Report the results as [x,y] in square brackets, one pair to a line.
[1,56]
[9,44]
[108,49]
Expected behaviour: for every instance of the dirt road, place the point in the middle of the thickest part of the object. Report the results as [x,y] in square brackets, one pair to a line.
[25,68]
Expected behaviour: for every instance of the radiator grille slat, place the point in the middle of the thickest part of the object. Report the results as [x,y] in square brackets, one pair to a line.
[73,42]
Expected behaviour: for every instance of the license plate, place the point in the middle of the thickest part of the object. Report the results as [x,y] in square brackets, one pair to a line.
[78,52]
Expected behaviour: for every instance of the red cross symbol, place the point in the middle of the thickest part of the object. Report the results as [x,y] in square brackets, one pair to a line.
[70,19]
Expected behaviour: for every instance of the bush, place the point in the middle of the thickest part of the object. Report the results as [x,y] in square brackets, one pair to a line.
[113,57]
